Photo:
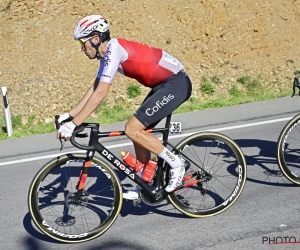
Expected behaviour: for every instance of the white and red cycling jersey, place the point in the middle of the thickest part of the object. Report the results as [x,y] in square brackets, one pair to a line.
[148,65]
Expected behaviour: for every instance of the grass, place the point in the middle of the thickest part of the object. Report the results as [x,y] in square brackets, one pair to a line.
[193,104]
[253,85]
[134,90]
[234,91]
[206,86]
[30,127]
[251,91]
[297,73]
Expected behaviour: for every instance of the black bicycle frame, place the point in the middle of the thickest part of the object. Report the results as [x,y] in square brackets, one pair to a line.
[95,146]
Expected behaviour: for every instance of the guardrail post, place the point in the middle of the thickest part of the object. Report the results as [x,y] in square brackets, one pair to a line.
[7,111]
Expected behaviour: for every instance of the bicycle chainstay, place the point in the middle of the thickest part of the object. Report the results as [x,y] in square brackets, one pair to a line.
[201,178]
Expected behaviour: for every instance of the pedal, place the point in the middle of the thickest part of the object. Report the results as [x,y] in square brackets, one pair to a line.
[136,202]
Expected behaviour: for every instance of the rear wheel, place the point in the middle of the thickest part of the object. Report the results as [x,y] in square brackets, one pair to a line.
[205,195]
[288,150]
[51,199]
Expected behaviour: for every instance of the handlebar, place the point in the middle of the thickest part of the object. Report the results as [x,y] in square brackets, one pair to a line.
[76,133]
[79,129]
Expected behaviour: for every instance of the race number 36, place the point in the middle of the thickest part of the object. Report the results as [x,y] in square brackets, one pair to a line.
[175,127]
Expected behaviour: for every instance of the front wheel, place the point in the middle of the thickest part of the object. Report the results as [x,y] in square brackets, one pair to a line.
[216,176]
[288,150]
[51,199]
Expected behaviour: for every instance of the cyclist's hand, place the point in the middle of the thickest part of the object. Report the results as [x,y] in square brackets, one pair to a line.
[66,130]
[64,117]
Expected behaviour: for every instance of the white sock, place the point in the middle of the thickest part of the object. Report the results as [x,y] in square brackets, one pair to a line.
[173,160]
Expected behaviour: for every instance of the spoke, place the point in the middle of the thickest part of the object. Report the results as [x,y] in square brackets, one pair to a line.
[97,211]
[215,193]
[195,155]
[67,176]
[84,219]
[223,184]
[104,189]
[202,200]
[52,208]
[51,183]
[220,164]
[94,176]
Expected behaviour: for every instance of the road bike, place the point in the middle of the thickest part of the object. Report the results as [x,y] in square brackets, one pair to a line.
[77,197]
[288,146]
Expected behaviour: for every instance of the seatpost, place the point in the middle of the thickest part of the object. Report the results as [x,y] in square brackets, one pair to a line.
[160,161]
[166,132]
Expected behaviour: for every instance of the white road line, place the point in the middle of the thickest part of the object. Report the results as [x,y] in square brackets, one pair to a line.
[130,143]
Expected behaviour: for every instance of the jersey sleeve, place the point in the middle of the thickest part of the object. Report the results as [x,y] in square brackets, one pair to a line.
[111,62]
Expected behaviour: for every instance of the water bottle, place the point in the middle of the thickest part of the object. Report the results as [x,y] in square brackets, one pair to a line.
[149,170]
[131,161]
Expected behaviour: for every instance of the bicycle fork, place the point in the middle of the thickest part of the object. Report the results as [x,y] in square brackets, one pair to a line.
[83,176]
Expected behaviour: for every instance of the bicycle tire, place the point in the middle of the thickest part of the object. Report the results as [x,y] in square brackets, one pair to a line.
[206,199]
[288,150]
[52,191]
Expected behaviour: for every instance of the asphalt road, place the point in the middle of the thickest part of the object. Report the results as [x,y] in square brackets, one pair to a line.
[267,210]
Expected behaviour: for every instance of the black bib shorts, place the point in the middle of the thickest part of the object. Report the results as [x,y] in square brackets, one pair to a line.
[163,99]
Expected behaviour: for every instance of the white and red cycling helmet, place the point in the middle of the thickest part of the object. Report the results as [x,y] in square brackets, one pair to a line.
[90,25]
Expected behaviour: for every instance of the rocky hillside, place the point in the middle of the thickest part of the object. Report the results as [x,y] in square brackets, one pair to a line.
[46,72]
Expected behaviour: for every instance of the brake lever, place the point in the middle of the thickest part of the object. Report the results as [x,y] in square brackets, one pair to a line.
[57,125]
[62,143]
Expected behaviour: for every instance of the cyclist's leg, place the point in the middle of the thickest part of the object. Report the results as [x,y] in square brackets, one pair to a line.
[135,131]
[164,100]
[143,155]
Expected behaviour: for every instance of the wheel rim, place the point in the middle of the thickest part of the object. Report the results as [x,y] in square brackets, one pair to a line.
[58,215]
[289,151]
[218,157]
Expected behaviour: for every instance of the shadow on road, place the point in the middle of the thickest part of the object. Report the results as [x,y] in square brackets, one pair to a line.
[36,240]
[262,169]
[262,166]
[32,243]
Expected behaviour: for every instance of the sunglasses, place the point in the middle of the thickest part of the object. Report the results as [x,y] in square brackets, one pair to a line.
[82,41]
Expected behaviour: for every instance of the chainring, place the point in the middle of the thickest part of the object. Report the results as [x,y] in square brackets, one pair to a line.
[150,200]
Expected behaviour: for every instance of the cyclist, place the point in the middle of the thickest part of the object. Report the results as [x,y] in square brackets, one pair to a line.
[150,66]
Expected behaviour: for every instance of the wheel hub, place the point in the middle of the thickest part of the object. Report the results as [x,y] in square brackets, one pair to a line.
[70,200]
[65,221]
